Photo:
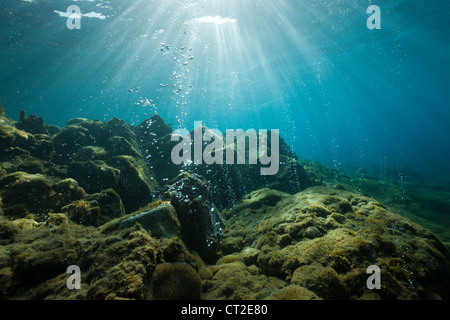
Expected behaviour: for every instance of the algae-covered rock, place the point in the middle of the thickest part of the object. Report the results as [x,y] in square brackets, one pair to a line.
[31,124]
[159,218]
[293,292]
[38,145]
[94,176]
[325,239]
[324,281]
[24,193]
[110,204]
[82,195]
[136,186]
[154,139]
[114,265]
[67,142]
[161,221]
[96,209]
[117,146]
[229,183]
[91,153]
[7,230]
[176,281]
[232,280]
[201,223]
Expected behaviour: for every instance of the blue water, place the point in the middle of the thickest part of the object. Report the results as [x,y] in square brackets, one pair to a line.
[338,92]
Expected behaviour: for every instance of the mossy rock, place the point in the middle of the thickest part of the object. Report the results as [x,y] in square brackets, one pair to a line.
[293,292]
[94,176]
[24,193]
[136,186]
[176,281]
[31,124]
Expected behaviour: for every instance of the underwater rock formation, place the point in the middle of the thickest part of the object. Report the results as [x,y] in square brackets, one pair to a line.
[159,218]
[190,195]
[95,209]
[324,240]
[229,183]
[87,195]
[176,281]
[24,193]
[31,124]
[135,186]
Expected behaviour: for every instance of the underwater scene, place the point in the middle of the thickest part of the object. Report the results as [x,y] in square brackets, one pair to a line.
[224,150]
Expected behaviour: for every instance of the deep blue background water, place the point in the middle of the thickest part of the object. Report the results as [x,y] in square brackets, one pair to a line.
[338,92]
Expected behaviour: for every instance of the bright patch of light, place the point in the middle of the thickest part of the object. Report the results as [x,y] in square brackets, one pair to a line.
[77,15]
[215,20]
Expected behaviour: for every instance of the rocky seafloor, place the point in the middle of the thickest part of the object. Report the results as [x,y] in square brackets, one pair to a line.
[106,197]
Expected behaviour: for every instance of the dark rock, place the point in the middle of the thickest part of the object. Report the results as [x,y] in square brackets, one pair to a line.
[41,146]
[291,177]
[229,183]
[31,124]
[38,145]
[152,128]
[154,139]
[78,121]
[7,230]
[117,146]
[110,204]
[95,210]
[201,223]
[135,186]
[161,221]
[94,176]
[91,153]
[117,127]
[52,129]
[99,132]
[68,141]
[24,193]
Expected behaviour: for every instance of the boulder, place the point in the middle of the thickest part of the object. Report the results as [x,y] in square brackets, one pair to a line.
[24,193]
[94,176]
[95,210]
[117,146]
[161,221]
[91,153]
[136,185]
[201,223]
[68,141]
[39,145]
[99,132]
[154,139]
[324,240]
[31,124]
[176,281]
[229,183]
